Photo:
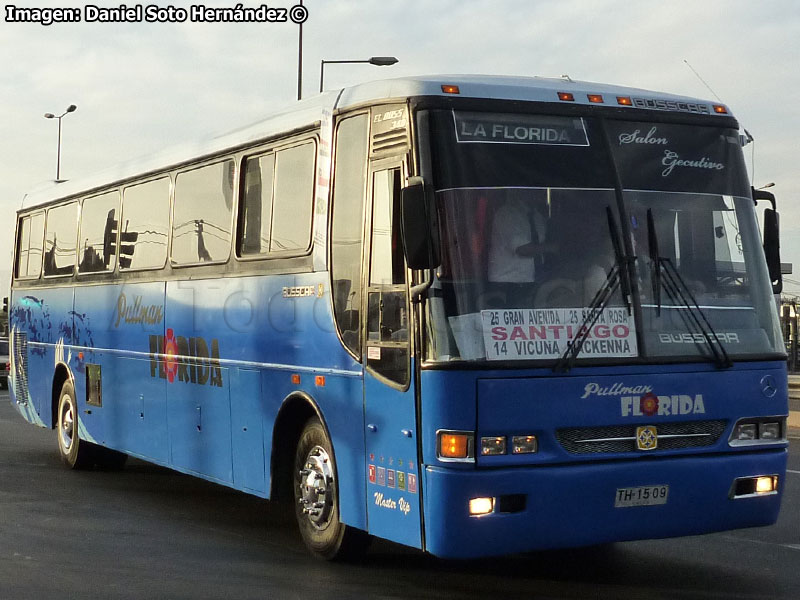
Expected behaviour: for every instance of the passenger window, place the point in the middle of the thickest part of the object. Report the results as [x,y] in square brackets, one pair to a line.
[97,249]
[23,243]
[36,246]
[294,196]
[347,227]
[256,219]
[201,229]
[144,225]
[62,232]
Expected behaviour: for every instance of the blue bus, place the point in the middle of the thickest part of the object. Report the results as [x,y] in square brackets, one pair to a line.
[471,315]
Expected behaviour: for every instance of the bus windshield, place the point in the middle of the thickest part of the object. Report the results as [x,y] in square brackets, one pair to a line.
[538,213]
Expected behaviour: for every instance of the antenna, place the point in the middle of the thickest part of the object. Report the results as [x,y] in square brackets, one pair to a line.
[750,138]
[702,80]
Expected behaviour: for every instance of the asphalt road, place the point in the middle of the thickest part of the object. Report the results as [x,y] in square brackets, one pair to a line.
[147,532]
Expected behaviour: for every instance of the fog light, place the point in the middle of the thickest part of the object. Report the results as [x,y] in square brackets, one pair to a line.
[765,485]
[481,506]
[769,431]
[751,487]
[746,432]
[524,444]
[492,446]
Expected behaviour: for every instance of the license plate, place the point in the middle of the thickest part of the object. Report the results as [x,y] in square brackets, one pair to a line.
[648,495]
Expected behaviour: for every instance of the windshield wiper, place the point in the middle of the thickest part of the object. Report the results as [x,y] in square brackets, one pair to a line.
[682,298]
[618,277]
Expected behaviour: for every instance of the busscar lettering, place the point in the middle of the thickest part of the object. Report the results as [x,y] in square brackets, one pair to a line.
[697,338]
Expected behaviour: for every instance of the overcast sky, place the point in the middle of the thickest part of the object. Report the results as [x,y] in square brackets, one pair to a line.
[141,87]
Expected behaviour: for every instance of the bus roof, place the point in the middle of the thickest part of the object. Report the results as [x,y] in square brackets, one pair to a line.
[306,113]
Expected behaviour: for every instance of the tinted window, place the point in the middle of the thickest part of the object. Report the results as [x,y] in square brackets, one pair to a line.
[346,228]
[257,205]
[294,194]
[144,225]
[97,249]
[36,246]
[201,230]
[62,232]
[23,243]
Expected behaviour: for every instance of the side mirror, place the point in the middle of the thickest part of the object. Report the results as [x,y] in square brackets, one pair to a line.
[419,227]
[772,248]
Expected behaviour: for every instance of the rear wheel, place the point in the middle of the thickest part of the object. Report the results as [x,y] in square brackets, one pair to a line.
[316,494]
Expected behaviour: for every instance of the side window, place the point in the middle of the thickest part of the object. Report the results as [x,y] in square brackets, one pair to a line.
[36,246]
[144,225]
[23,246]
[97,242]
[294,197]
[347,226]
[62,233]
[201,227]
[277,204]
[388,349]
[387,266]
[256,209]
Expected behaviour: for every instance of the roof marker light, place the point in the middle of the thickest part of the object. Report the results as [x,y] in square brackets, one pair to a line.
[624,101]
[566,97]
[450,89]
[720,109]
[595,98]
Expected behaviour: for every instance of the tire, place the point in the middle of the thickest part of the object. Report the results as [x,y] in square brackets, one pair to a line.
[75,453]
[316,495]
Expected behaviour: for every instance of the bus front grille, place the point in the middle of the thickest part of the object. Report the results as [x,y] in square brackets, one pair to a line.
[622,438]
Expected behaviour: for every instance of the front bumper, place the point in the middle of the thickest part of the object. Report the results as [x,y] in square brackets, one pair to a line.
[573,505]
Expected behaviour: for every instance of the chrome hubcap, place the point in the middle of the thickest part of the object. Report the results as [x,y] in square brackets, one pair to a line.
[67,426]
[315,487]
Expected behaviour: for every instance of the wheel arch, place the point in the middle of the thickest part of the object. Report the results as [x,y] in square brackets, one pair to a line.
[296,409]
[61,374]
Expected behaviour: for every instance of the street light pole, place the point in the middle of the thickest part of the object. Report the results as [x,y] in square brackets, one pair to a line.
[70,108]
[300,61]
[379,61]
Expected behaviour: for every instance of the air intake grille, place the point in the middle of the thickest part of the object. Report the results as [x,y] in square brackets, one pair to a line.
[622,438]
[20,362]
[392,142]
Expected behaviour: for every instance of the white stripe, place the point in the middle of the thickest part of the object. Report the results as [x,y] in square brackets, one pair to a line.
[795,472]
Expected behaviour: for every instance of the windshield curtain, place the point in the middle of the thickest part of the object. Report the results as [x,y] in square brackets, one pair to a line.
[529,222]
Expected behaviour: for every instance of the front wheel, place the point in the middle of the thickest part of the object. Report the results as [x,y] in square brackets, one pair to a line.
[316,494]
[75,453]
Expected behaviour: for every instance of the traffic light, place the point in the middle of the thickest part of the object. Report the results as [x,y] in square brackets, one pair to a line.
[110,238]
[127,239]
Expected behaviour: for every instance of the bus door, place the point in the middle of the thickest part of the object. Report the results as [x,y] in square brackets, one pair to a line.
[393,501]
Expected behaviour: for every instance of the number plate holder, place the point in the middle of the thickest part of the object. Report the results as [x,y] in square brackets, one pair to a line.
[646,495]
